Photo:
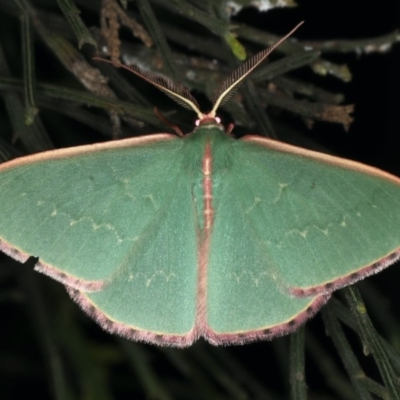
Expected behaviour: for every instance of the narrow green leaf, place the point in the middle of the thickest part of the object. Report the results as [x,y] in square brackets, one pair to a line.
[58,92]
[298,387]
[372,343]
[218,26]
[45,335]
[142,366]
[284,65]
[71,12]
[236,47]
[34,136]
[253,103]
[29,69]
[158,36]
[88,374]
[346,353]
[327,365]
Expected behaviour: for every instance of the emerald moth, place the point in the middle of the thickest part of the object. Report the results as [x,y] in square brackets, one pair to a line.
[166,239]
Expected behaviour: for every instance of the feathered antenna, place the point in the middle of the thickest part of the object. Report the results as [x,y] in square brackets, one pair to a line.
[174,90]
[182,96]
[230,84]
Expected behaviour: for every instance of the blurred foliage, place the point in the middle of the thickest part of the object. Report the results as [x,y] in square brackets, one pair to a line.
[54,95]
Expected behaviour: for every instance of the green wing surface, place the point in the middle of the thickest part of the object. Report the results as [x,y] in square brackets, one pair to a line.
[246,296]
[102,218]
[334,218]
[291,222]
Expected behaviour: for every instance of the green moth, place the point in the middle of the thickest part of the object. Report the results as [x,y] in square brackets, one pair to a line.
[167,239]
